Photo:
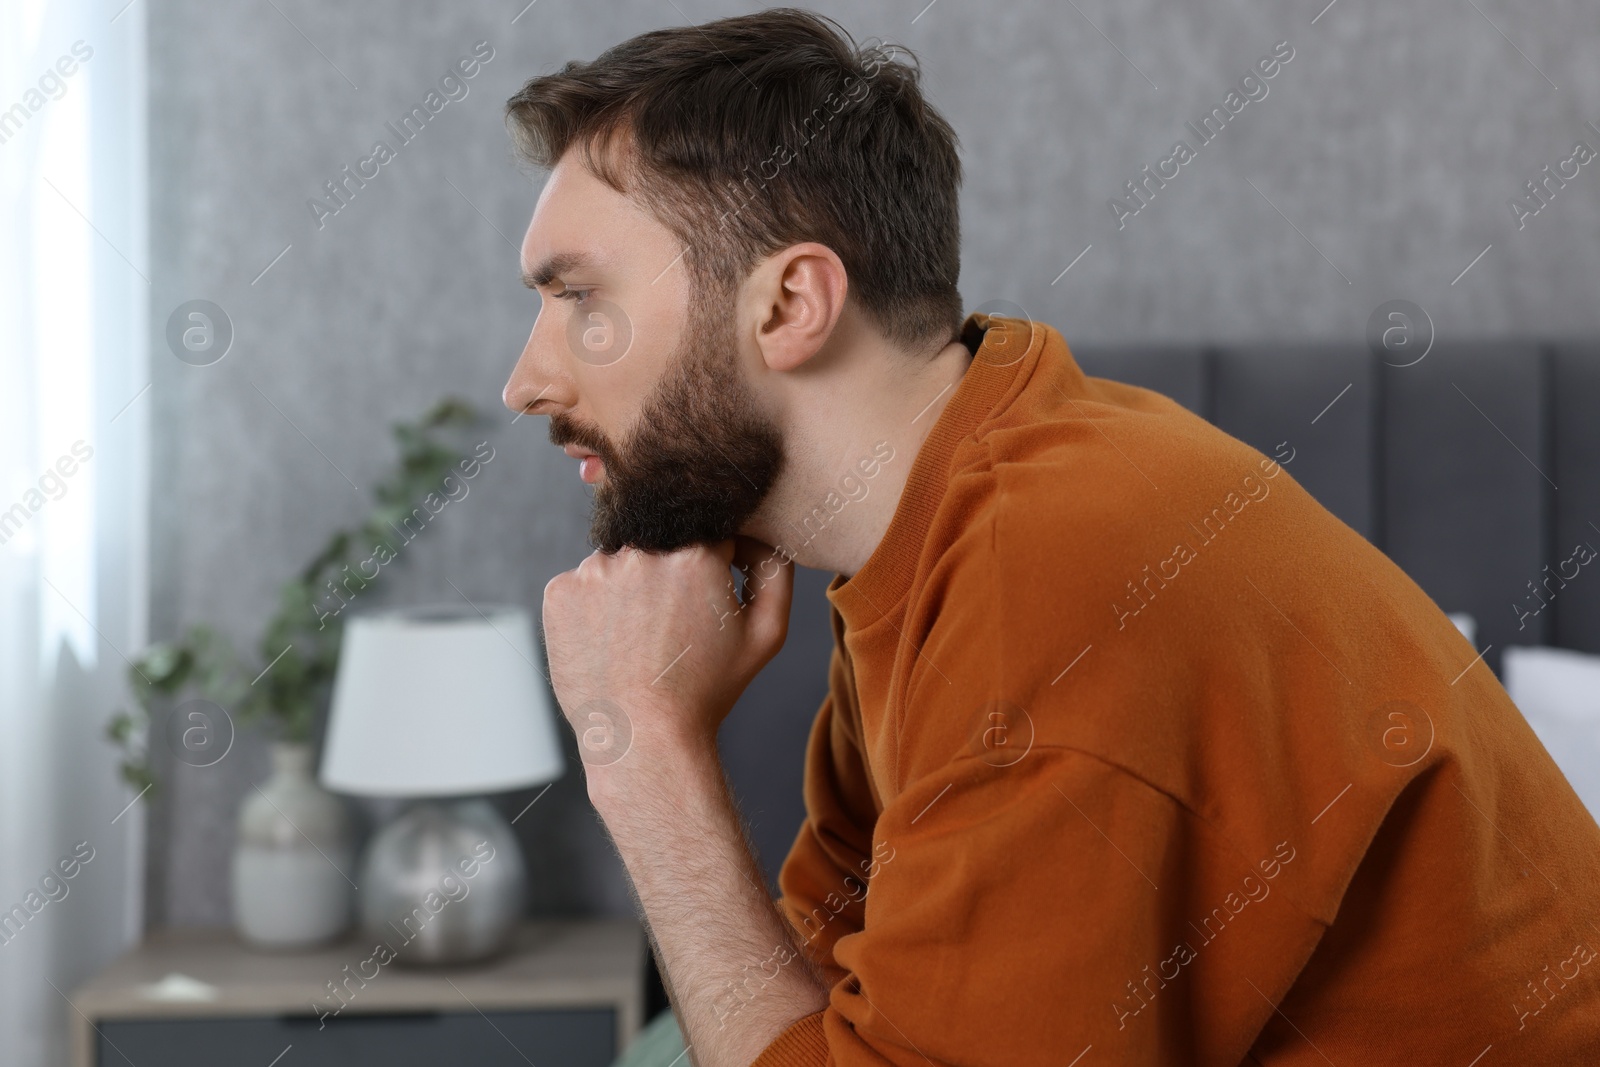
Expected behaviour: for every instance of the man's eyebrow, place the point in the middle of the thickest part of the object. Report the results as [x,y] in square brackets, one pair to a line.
[555,266]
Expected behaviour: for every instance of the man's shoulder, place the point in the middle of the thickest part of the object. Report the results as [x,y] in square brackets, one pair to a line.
[1096,484]
[1112,541]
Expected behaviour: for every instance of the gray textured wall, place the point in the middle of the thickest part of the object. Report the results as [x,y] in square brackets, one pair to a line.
[1382,159]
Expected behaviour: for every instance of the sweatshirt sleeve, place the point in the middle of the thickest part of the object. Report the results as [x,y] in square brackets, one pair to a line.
[1025,914]
[825,876]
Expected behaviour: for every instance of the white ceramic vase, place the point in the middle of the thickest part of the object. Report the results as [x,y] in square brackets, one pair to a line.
[292,858]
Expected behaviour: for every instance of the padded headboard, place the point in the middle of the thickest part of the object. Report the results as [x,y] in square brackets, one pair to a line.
[1474,469]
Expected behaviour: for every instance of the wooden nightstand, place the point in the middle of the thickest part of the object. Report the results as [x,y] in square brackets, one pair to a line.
[569,994]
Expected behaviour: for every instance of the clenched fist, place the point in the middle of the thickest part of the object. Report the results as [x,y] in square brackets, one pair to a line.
[649,652]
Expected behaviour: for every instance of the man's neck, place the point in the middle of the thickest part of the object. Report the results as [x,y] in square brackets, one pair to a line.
[848,458]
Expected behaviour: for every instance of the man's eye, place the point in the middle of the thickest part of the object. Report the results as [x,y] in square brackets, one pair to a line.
[577,296]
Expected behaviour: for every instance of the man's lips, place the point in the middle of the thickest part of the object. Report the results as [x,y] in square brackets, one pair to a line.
[589,466]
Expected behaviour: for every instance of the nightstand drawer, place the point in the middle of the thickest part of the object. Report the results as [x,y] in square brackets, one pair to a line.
[551,1038]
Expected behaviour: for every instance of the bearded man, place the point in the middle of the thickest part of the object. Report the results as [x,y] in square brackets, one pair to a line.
[1132,753]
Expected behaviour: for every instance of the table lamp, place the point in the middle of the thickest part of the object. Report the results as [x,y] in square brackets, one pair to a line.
[441,706]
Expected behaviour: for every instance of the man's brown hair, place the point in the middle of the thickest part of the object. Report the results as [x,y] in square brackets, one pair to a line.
[750,134]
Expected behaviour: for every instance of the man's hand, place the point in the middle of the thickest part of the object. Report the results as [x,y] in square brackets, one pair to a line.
[663,640]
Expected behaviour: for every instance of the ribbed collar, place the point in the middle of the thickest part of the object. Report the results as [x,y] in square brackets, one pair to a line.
[886,577]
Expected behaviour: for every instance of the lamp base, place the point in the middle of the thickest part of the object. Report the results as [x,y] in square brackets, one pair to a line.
[443,883]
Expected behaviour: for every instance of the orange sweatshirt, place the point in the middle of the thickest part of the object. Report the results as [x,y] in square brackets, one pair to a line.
[1134,754]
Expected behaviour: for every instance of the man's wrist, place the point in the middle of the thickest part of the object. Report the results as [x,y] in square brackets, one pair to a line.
[657,774]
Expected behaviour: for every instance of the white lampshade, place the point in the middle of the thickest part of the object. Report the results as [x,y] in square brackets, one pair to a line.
[440,702]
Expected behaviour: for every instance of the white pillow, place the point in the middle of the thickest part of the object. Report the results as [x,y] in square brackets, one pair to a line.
[1558,692]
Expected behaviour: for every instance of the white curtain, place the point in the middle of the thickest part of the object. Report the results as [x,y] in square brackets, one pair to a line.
[74,299]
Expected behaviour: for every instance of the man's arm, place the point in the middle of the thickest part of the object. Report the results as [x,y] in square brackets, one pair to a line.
[659,646]
[737,977]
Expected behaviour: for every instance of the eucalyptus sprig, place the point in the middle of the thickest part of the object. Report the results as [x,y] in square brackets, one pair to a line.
[291,675]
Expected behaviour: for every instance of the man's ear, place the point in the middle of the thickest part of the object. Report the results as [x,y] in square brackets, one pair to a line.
[796,297]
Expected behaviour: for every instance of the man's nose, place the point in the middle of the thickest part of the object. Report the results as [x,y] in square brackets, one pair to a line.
[539,383]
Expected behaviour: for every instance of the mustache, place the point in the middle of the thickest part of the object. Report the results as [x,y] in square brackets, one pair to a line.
[565,430]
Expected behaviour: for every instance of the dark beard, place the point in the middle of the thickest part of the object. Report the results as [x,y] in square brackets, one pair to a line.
[701,458]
